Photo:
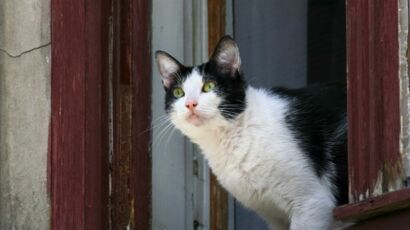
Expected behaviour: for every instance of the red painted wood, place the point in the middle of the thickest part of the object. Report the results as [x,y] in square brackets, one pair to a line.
[218,195]
[373,97]
[121,161]
[141,113]
[374,206]
[67,115]
[96,130]
[131,166]
[398,220]
[78,172]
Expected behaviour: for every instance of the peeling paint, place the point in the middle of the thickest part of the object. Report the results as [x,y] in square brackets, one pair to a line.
[404,85]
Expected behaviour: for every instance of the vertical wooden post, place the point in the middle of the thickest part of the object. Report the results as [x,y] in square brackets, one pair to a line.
[78,169]
[219,197]
[141,114]
[96,114]
[131,163]
[373,98]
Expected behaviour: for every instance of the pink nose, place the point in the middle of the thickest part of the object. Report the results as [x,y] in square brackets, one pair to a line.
[191,105]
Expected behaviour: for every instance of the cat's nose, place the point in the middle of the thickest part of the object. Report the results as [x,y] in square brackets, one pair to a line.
[191,105]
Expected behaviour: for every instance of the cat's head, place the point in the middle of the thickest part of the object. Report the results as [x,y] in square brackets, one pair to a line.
[206,95]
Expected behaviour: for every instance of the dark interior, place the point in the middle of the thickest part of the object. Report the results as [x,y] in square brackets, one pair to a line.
[326,41]
[291,44]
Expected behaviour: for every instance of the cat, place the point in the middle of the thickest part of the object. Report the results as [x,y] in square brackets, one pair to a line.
[280,152]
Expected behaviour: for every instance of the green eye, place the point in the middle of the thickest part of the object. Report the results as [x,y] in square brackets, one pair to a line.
[208,86]
[178,92]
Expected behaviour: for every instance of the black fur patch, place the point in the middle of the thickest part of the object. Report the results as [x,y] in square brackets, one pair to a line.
[230,88]
[315,116]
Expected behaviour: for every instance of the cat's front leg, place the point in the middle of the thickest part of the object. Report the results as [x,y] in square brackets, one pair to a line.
[314,214]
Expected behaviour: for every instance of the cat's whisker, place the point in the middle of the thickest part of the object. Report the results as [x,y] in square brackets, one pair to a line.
[161,135]
[162,126]
[162,132]
[159,121]
[169,137]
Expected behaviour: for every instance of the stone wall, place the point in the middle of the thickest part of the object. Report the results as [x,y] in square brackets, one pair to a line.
[24,113]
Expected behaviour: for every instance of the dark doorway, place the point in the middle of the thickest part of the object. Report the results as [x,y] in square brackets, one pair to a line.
[326,41]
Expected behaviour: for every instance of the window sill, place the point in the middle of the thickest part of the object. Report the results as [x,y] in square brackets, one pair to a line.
[375,206]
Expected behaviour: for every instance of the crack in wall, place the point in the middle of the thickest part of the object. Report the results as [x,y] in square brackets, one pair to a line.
[24,52]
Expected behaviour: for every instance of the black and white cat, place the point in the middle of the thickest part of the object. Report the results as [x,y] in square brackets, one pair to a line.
[280,152]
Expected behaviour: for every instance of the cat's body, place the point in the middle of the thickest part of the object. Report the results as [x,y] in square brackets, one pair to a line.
[280,152]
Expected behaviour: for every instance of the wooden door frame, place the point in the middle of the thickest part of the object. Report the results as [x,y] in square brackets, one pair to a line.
[78,169]
[376,168]
[131,161]
[78,144]
[218,195]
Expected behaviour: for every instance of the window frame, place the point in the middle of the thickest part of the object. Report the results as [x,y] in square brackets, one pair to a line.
[376,171]
[219,216]
[87,59]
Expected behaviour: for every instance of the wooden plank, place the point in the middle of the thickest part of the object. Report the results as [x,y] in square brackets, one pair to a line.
[218,195]
[122,93]
[131,164]
[216,22]
[375,163]
[219,205]
[96,122]
[374,206]
[78,181]
[141,114]
[399,220]
[67,114]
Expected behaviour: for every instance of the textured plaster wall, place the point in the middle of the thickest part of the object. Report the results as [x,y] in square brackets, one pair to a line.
[24,113]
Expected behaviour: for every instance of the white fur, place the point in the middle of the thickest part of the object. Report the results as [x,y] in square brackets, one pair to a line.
[256,157]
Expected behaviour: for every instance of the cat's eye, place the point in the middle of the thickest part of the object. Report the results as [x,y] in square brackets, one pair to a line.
[178,92]
[208,86]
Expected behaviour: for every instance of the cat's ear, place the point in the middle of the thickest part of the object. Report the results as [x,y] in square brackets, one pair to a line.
[226,56]
[167,66]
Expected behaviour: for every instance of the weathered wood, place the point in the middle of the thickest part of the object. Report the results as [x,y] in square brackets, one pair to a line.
[218,196]
[216,22]
[373,98]
[67,115]
[131,163]
[141,114]
[96,115]
[375,206]
[78,170]
[122,119]
[399,220]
